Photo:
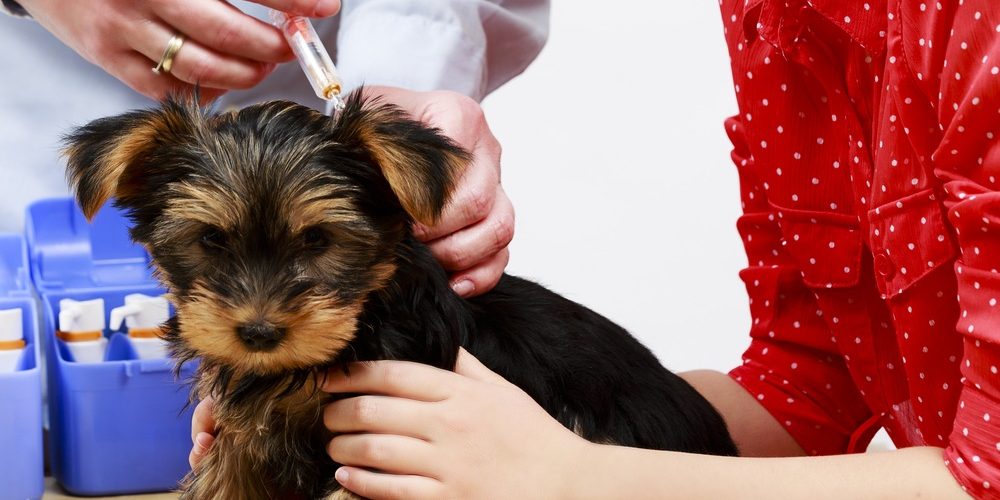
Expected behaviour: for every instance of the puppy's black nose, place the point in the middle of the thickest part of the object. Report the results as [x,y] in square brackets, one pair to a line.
[260,336]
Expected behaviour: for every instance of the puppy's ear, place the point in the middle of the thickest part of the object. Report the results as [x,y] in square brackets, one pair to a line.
[420,164]
[109,157]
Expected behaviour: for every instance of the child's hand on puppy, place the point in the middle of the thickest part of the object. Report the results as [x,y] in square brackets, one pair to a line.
[432,433]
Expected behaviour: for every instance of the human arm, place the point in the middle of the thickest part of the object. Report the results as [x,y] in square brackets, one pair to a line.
[634,473]
[755,431]
[225,48]
[435,433]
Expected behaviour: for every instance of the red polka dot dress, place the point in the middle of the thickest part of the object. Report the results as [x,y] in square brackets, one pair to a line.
[868,161]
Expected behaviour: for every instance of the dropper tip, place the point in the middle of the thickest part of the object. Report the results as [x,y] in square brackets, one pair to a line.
[337,102]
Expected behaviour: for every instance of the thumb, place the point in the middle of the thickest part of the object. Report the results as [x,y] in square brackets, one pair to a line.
[467,365]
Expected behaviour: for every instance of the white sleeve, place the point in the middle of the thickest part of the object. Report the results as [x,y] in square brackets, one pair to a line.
[468,46]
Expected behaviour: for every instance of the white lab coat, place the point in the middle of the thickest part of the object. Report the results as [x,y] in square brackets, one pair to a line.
[469,46]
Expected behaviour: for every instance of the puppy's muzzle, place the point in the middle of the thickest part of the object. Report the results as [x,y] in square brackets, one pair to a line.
[260,336]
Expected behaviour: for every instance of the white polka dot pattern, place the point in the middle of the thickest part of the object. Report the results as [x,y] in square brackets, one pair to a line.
[868,161]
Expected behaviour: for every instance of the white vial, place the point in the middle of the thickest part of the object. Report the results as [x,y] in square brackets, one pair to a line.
[81,327]
[143,315]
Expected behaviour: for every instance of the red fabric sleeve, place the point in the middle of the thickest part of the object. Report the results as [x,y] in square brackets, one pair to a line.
[792,366]
[953,57]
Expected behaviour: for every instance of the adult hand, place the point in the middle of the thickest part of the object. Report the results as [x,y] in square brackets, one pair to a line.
[436,434]
[224,48]
[202,431]
[470,240]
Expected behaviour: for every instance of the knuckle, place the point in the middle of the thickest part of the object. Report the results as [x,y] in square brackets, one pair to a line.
[365,410]
[478,203]
[199,70]
[392,375]
[468,107]
[372,452]
[454,422]
[456,256]
[503,231]
[228,34]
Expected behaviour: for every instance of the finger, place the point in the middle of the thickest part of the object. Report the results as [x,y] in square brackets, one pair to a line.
[471,203]
[194,63]
[133,69]
[393,378]
[377,414]
[387,453]
[311,8]
[202,443]
[471,367]
[203,419]
[482,277]
[225,29]
[378,486]
[476,243]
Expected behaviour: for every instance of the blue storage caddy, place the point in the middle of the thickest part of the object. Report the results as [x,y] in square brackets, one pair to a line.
[21,457]
[121,426]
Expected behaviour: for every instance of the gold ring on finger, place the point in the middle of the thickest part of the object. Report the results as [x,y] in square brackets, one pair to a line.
[167,60]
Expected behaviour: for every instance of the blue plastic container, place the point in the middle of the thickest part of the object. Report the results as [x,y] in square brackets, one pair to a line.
[21,457]
[121,426]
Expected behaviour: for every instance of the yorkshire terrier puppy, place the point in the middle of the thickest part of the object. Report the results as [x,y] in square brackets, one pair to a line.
[283,237]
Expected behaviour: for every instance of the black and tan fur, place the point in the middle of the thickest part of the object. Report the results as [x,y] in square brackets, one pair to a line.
[284,239]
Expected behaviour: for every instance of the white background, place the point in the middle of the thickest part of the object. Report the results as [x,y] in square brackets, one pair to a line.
[618,165]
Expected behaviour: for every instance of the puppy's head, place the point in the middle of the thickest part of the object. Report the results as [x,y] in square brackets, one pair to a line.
[269,225]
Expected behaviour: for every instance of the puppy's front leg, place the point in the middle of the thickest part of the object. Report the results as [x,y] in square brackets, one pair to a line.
[225,474]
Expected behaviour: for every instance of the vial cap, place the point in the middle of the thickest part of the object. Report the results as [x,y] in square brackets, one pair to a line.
[81,315]
[141,311]
[11,327]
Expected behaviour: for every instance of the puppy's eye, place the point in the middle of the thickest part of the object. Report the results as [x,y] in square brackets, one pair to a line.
[315,239]
[213,239]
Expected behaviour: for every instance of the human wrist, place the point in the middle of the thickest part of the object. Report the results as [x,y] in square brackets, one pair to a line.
[576,476]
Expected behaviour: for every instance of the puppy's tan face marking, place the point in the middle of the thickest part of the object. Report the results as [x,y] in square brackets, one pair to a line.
[290,259]
[316,331]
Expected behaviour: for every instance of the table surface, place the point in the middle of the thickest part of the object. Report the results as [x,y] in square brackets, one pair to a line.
[54,492]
